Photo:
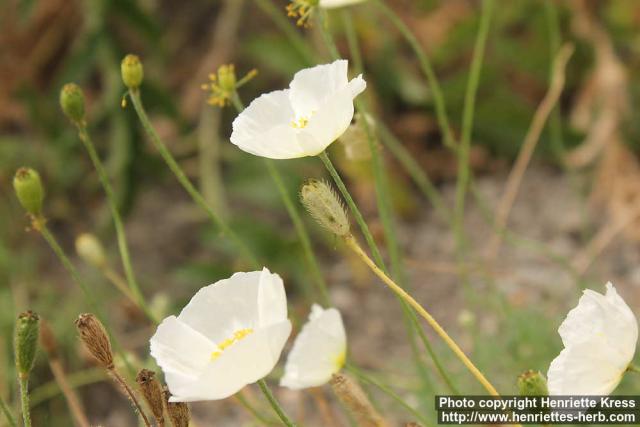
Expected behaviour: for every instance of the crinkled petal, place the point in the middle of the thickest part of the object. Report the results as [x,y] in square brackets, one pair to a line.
[243,363]
[264,127]
[311,87]
[318,351]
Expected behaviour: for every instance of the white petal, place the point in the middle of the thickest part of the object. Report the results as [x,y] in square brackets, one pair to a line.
[329,4]
[243,363]
[272,299]
[168,346]
[331,120]
[318,351]
[220,309]
[311,87]
[264,127]
[600,336]
[582,370]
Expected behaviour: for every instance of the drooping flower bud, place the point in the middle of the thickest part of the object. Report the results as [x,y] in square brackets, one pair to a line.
[152,392]
[95,338]
[132,71]
[28,187]
[26,342]
[90,250]
[325,207]
[532,383]
[72,102]
[178,411]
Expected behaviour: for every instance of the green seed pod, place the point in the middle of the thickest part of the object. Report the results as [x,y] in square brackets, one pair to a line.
[325,207]
[132,71]
[28,188]
[26,342]
[532,383]
[72,102]
[227,78]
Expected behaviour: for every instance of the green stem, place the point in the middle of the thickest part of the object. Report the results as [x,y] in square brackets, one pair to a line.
[117,221]
[24,400]
[7,413]
[274,404]
[39,224]
[298,224]
[134,95]
[467,124]
[361,376]
[633,368]
[425,64]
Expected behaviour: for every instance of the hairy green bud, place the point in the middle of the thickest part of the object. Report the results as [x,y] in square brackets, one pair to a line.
[325,207]
[132,71]
[28,187]
[26,342]
[532,383]
[72,102]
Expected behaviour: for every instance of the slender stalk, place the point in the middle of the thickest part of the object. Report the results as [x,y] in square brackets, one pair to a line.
[40,224]
[134,95]
[7,413]
[69,393]
[274,404]
[131,395]
[296,219]
[467,123]
[633,368]
[355,247]
[123,247]
[24,400]
[427,68]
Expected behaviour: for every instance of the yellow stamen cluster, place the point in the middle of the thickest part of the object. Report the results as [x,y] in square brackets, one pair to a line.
[302,11]
[223,84]
[300,123]
[237,336]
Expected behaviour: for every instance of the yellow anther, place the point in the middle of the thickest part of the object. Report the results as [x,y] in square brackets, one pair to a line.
[237,336]
[300,124]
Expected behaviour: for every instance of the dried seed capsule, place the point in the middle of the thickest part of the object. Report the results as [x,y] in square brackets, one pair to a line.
[152,392]
[178,411]
[95,338]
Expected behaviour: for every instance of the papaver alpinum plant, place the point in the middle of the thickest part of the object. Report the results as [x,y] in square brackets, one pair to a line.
[258,330]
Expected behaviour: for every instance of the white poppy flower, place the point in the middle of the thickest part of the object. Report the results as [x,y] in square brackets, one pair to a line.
[229,335]
[302,120]
[330,4]
[318,352]
[599,336]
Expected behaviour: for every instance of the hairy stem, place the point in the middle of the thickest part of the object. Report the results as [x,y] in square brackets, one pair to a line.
[131,395]
[24,400]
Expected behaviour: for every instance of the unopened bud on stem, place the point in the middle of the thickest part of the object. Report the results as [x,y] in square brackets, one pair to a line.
[29,190]
[325,207]
[72,102]
[532,383]
[95,338]
[26,342]
[132,71]
[90,250]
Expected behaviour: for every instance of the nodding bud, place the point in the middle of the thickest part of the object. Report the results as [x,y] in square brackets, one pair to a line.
[26,342]
[178,411]
[532,383]
[354,398]
[28,187]
[325,207]
[95,338]
[72,102]
[227,77]
[90,250]
[152,392]
[132,71]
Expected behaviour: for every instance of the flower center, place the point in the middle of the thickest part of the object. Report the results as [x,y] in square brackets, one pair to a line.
[237,336]
[301,123]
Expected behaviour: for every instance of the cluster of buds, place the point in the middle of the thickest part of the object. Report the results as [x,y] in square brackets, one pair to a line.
[223,84]
[302,10]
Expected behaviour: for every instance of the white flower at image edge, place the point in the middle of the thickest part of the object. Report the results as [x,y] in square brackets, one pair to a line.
[599,337]
[302,120]
[229,335]
[318,352]
[330,4]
